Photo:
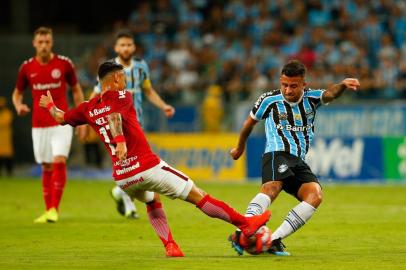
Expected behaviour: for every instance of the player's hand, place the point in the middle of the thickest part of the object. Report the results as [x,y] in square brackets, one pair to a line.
[81,132]
[121,151]
[351,83]
[45,100]
[168,110]
[22,109]
[236,153]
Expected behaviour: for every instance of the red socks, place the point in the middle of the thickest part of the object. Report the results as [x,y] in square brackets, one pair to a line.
[58,183]
[218,209]
[47,188]
[159,222]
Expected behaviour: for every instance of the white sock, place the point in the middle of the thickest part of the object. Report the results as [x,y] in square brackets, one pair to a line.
[258,205]
[296,218]
[128,203]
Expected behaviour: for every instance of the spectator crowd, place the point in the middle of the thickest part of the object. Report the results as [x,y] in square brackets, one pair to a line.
[240,45]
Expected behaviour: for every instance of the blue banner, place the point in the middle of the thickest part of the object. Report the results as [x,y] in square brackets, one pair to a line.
[347,158]
[254,151]
[357,120]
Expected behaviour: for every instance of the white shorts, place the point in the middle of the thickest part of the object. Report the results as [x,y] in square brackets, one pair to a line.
[161,179]
[49,142]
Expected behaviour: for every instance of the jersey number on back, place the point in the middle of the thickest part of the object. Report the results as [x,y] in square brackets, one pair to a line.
[103,131]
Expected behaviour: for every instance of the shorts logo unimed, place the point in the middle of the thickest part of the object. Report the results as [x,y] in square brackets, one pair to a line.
[132,182]
[282,168]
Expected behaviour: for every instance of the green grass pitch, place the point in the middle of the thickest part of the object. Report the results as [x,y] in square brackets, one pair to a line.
[356,227]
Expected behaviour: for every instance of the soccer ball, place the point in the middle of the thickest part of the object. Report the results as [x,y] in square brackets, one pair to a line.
[257,243]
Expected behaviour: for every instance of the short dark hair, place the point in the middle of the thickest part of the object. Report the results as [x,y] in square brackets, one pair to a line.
[294,68]
[124,34]
[42,30]
[107,67]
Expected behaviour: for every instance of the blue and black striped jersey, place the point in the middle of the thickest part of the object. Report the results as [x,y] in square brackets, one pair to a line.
[288,127]
[137,76]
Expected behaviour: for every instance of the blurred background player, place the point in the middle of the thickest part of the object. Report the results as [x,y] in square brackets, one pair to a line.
[289,114]
[138,82]
[47,71]
[136,169]
[6,138]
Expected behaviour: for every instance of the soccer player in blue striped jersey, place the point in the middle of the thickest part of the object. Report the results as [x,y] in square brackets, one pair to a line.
[289,115]
[138,83]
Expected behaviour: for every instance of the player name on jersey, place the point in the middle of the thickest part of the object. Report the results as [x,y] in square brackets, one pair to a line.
[99,111]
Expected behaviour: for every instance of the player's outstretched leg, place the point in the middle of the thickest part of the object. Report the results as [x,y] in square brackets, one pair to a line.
[219,209]
[125,205]
[159,222]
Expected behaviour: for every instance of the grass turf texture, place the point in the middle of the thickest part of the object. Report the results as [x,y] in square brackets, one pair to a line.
[356,227]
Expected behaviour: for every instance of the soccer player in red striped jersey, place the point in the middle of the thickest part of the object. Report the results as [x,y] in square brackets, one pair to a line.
[138,82]
[136,169]
[47,71]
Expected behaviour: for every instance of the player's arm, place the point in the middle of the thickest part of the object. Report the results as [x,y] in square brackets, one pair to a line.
[155,99]
[48,103]
[336,90]
[116,129]
[17,97]
[78,98]
[21,108]
[77,94]
[72,80]
[246,129]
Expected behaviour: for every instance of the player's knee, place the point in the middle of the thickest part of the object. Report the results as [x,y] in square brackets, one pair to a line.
[156,197]
[315,198]
[195,195]
[319,197]
[272,189]
[204,193]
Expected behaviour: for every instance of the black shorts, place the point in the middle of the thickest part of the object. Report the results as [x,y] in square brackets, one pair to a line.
[290,169]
